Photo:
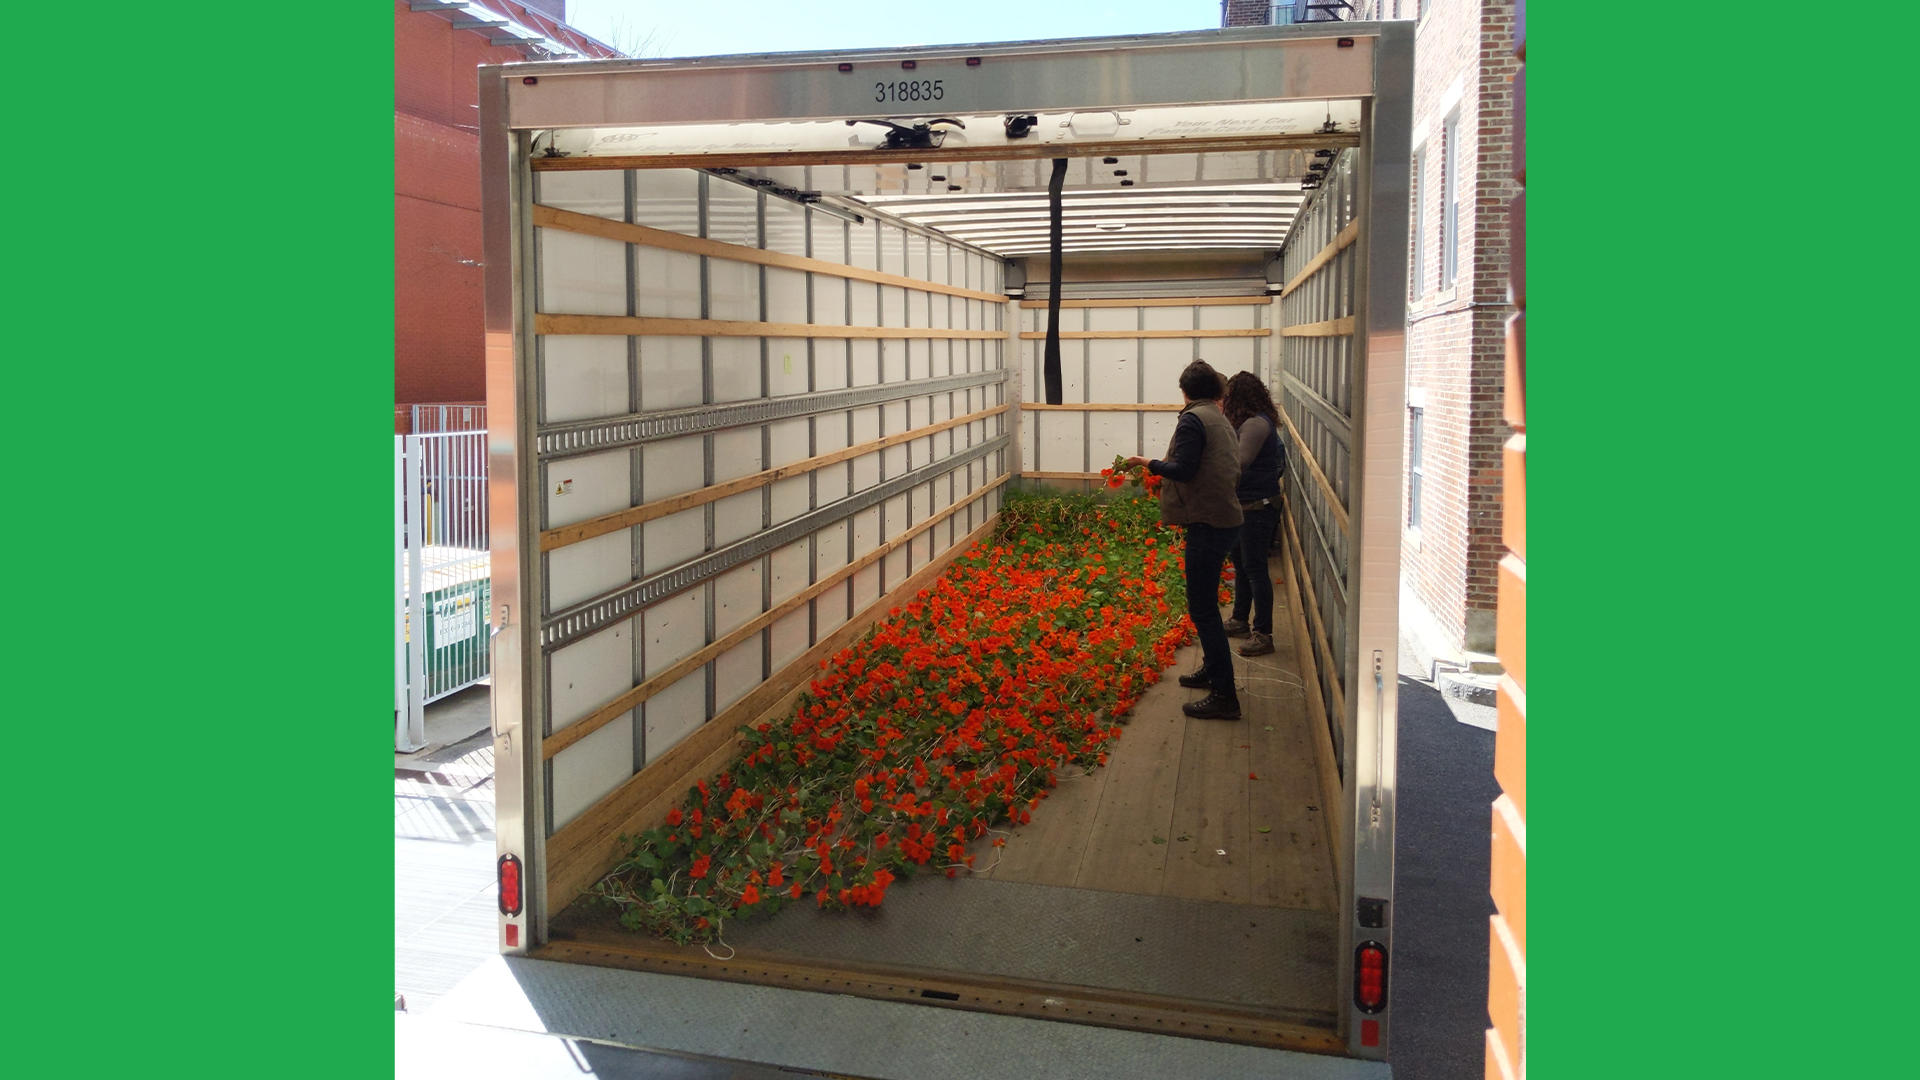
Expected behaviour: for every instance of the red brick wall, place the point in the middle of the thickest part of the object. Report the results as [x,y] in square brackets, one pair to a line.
[1456,336]
[1247,12]
[1507,930]
[436,212]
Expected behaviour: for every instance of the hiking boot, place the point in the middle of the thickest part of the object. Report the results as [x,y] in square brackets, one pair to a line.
[1198,680]
[1236,627]
[1214,706]
[1260,645]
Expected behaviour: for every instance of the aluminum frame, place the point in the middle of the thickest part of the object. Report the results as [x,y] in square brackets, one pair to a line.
[1296,62]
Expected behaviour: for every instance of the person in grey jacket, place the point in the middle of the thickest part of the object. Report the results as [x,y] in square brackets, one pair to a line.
[1201,470]
[1249,408]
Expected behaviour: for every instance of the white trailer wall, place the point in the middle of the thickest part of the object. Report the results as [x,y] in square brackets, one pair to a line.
[756,418]
[1120,364]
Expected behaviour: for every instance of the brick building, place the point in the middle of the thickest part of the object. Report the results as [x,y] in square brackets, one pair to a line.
[436,180]
[1456,311]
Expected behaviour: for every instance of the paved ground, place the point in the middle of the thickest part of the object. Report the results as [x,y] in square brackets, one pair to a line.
[444,919]
[1442,857]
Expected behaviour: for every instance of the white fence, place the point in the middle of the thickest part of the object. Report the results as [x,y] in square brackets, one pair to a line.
[440,570]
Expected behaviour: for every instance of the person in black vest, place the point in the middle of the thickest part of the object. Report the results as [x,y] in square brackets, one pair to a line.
[1249,408]
[1200,470]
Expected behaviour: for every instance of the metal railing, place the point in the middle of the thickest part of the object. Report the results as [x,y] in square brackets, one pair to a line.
[448,416]
[441,573]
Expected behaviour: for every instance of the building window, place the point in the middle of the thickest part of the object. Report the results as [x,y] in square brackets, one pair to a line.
[1449,202]
[1417,283]
[1282,13]
[1416,471]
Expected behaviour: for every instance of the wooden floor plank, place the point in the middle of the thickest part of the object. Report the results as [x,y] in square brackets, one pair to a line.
[1048,850]
[1136,805]
[1208,854]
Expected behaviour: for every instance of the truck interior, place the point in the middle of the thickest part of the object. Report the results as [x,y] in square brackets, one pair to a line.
[769,375]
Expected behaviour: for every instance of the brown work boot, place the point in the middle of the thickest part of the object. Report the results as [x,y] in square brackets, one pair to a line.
[1236,627]
[1259,644]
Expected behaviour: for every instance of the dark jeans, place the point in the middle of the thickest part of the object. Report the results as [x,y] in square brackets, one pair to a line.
[1252,583]
[1206,552]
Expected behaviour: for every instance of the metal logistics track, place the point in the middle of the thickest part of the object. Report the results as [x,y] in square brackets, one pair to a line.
[592,436]
[591,616]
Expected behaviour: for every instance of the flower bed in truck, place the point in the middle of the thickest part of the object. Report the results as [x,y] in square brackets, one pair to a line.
[943,726]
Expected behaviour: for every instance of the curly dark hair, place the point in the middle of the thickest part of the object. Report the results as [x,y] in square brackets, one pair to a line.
[1201,382]
[1247,396]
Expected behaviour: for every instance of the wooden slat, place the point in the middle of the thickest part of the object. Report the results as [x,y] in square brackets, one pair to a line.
[1101,406]
[624,325]
[1322,735]
[1110,335]
[1014,151]
[1323,257]
[621,705]
[1313,466]
[588,225]
[581,852]
[564,535]
[1159,301]
[1331,328]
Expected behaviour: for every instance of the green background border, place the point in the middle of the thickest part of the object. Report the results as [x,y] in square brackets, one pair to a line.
[198,408]
[1721,266]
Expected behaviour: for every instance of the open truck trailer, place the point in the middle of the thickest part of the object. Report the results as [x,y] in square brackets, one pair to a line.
[765,342]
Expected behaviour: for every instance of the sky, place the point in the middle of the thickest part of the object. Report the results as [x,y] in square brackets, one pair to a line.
[653,28]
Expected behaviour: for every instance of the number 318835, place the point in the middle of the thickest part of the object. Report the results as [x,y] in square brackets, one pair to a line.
[911,90]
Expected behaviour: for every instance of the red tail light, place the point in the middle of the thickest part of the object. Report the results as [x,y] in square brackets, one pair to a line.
[1370,977]
[509,885]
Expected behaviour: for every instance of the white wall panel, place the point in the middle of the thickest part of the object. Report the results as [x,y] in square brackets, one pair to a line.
[584,570]
[581,275]
[1115,369]
[736,600]
[866,362]
[786,227]
[588,486]
[786,366]
[790,637]
[789,564]
[737,672]
[733,213]
[590,769]
[1229,317]
[830,300]
[1112,318]
[830,551]
[786,295]
[736,368]
[667,285]
[674,713]
[1159,433]
[866,587]
[667,199]
[669,372]
[671,540]
[587,674]
[602,194]
[1114,433]
[1061,437]
[586,376]
[736,517]
[733,290]
[672,467]
[829,237]
[1168,318]
[1166,359]
[674,629]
